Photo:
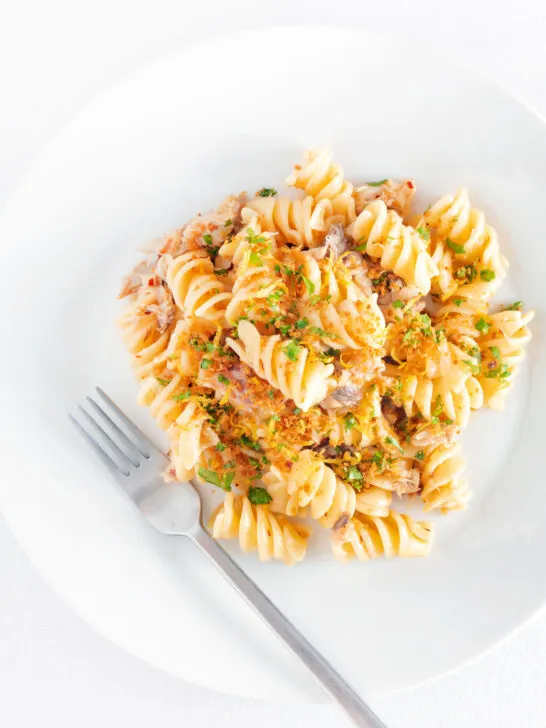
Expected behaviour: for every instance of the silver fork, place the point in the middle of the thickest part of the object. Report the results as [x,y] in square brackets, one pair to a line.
[175,509]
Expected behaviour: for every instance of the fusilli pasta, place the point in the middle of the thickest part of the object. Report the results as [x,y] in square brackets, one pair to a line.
[315,356]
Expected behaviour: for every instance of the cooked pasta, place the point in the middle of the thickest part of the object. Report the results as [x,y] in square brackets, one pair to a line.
[312,484]
[197,291]
[466,249]
[272,535]
[316,356]
[323,180]
[398,247]
[291,370]
[444,485]
[396,534]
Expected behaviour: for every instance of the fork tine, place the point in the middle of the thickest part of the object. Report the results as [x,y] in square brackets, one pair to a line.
[106,442]
[122,441]
[103,456]
[143,443]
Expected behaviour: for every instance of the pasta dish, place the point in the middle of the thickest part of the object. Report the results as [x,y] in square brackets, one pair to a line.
[316,355]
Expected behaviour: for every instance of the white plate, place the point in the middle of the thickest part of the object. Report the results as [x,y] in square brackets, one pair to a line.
[235,114]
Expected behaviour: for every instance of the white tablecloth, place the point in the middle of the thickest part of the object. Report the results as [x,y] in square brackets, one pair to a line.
[54,57]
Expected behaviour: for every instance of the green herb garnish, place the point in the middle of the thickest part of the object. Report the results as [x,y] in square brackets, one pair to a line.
[517,306]
[309,285]
[292,350]
[259,496]
[350,421]
[377,184]
[181,397]
[354,474]
[455,247]
[487,275]
[267,192]
[424,233]
[482,325]
[209,476]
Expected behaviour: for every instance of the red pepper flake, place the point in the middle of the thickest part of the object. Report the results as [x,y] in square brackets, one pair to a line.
[153,281]
[410,184]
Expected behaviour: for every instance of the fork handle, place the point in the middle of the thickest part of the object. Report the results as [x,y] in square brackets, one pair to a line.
[360,713]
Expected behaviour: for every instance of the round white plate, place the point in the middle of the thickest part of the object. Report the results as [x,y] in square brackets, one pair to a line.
[236,114]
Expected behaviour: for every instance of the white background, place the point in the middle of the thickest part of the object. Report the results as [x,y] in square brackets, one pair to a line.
[54,57]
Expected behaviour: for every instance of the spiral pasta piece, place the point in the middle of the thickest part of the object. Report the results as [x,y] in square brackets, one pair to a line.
[183,420]
[322,179]
[196,289]
[313,485]
[142,336]
[251,288]
[399,247]
[462,238]
[285,365]
[444,484]
[503,349]
[434,397]
[354,323]
[396,534]
[301,222]
[257,527]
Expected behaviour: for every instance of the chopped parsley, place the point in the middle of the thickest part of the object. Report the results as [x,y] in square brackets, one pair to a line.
[292,351]
[321,332]
[482,326]
[275,297]
[458,301]
[302,323]
[455,247]
[181,397]
[267,192]
[209,476]
[350,421]
[163,382]
[207,238]
[362,247]
[500,372]
[377,458]
[206,363]
[466,274]
[377,184]
[254,258]
[398,304]
[424,233]
[487,275]
[220,447]
[223,379]
[420,455]
[495,351]
[354,474]
[474,368]
[252,238]
[437,411]
[394,443]
[309,285]
[228,222]
[259,496]
[297,411]
[245,441]
[517,306]
[222,271]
